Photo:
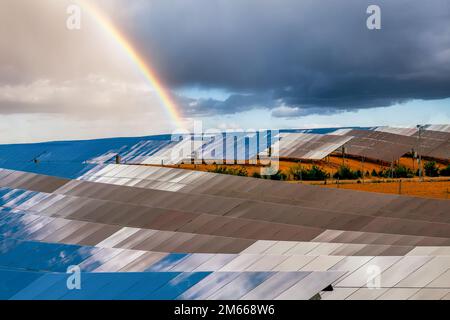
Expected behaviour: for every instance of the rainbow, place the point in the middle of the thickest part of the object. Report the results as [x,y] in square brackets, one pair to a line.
[140,62]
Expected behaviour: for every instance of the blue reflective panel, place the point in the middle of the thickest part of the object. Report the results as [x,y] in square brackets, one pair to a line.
[56,257]
[177,286]
[23,227]
[27,255]
[10,195]
[4,191]
[57,289]
[168,262]
[8,219]
[10,249]
[209,285]
[117,284]
[77,256]
[93,286]
[69,158]
[5,213]
[42,256]
[20,197]
[12,281]
[98,257]
[6,245]
[5,210]
[4,217]
[39,286]
[91,283]
[15,227]
[150,282]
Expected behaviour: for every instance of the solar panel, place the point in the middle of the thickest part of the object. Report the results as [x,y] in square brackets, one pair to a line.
[147,232]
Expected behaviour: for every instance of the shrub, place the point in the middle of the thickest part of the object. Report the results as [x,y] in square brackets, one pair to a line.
[383,173]
[374,173]
[431,169]
[445,171]
[233,171]
[219,169]
[256,175]
[315,173]
[345,173]
[238,172]
[401,171]
[296,172]
[277,176]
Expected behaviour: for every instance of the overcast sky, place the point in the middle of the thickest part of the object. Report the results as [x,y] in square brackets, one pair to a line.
[231,63]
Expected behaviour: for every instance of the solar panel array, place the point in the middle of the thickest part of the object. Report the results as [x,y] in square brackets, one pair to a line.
[434,144]
[308,146]
[385,144]
[143,232]
[389,144]
[378,145]
[73,158]
[433,141]
[411,130]
[439,127]
[146,232]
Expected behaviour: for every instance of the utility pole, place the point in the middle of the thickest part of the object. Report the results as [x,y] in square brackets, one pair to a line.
[192,149]
[420,127]
[363,173]
[301,170]
[392,168]
[343,155]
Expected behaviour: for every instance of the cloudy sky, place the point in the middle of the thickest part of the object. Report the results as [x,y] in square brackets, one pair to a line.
[230,63]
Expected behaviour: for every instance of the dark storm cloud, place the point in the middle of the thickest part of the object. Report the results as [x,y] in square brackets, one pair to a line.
[311,54]
[233,104]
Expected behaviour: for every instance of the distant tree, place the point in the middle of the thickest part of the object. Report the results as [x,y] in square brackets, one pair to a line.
[401,171]
[219,169]
[279,175]
[233,171]
[241,171]
[445,171]
[256,175]
[374,173]
[431,169]
[315,173]
[359,174]
[296,172]
[345,173]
